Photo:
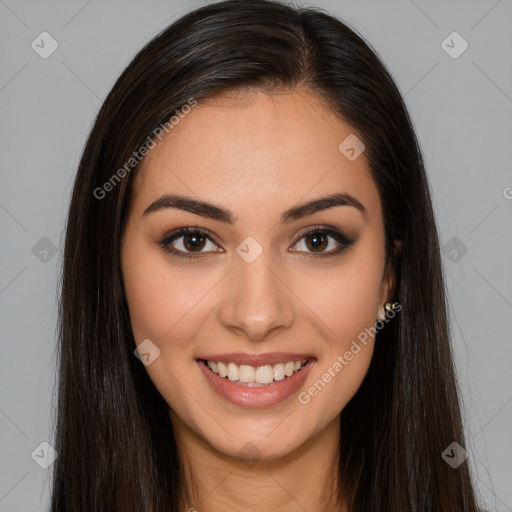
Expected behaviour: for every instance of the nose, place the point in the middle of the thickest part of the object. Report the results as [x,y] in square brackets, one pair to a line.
[258,300]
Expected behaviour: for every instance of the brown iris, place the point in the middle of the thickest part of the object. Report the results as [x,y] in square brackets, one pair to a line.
[319,241]
[194,241]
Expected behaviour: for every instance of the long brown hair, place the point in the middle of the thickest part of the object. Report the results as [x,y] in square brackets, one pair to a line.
[114,439]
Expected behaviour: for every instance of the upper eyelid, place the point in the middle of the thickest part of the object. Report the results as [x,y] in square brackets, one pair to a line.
[180,232]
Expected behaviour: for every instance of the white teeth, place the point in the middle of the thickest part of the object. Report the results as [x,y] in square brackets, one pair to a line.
[232,371]
[264,374]
[247,373]
[223,371]
[250,375]
[279,371]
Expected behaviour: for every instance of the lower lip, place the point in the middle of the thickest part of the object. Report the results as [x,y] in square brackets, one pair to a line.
[260,396]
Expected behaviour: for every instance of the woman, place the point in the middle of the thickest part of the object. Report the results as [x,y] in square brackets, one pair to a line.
[252,313]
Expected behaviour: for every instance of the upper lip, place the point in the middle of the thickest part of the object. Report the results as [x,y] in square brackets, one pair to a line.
[270,358]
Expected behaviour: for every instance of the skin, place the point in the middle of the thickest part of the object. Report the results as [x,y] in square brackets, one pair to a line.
[257,155]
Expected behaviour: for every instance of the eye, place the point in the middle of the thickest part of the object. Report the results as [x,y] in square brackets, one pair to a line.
[194,240]
[317,239]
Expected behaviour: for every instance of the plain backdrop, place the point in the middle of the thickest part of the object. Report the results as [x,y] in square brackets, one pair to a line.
[460,100]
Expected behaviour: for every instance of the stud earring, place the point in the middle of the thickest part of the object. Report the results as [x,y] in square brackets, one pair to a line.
[390,305]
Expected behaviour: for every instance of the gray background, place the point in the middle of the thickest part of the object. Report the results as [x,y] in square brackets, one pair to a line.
[462,111]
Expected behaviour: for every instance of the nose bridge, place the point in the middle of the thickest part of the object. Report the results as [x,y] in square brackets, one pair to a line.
[256,301]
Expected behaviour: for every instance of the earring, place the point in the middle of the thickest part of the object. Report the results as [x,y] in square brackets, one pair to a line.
[390,305]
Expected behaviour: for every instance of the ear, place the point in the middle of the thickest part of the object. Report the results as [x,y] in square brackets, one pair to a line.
[388,284]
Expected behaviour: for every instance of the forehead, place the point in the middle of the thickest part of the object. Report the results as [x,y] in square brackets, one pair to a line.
[247,150]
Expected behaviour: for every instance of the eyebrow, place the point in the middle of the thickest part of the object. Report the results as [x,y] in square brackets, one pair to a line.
[211,211]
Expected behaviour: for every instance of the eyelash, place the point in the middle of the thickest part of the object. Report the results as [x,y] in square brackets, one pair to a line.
[340,237]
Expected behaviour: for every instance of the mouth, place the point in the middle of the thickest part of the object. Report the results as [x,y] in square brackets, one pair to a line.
[256,386]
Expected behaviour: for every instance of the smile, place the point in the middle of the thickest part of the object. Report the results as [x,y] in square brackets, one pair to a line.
[256,386]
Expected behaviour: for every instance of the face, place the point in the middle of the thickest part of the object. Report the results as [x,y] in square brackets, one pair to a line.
[258,282]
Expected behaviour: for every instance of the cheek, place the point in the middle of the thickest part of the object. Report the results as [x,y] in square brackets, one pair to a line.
[161,304]
[343,298]
[165,301]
